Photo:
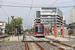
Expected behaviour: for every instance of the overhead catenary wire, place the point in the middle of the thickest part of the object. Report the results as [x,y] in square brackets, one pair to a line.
[4,12]
[29,11]
[67,11]
[38,6]
[15,3]
[54,2]
[35,4]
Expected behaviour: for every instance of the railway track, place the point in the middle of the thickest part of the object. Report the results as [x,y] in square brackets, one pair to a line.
[38,44]
[56,45]
[27,47]
[57,48]
[62,43]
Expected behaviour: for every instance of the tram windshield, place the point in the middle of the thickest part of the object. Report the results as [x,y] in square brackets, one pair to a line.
[39,29]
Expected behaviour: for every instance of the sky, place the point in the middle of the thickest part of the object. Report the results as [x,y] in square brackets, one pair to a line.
[23,12]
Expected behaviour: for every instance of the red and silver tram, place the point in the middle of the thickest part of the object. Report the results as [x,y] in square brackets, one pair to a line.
[39,30]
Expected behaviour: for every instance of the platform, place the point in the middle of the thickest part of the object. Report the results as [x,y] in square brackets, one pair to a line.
[58,38]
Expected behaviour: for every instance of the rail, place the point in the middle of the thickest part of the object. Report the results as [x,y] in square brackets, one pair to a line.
[38,44]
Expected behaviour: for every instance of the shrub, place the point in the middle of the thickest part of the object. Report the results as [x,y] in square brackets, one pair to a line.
[10,33]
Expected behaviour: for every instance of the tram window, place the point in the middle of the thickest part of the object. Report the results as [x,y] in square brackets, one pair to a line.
[36,29]
[39,29]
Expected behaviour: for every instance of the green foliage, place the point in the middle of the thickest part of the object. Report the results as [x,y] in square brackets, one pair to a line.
[66,25]
[72,23]
[10,33]
[27,30]
[30,30]
[18,20]
[50,29]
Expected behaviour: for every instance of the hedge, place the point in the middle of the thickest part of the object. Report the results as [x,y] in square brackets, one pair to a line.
[11,33]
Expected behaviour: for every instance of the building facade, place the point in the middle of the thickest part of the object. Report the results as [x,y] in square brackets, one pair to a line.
[49,16]
[37,17]
[72,15]
[23,27]
[2,26]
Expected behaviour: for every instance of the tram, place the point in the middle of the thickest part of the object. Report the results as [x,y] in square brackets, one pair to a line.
[39,30]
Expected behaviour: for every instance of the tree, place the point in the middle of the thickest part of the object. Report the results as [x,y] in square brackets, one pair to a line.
[18,20]
[27,30]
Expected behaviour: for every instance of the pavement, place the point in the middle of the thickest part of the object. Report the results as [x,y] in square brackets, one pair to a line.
[68,36]
[15,38]
[59,38]
[1,36]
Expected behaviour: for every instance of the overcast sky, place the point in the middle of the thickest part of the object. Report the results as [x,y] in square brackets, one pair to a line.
[23,12]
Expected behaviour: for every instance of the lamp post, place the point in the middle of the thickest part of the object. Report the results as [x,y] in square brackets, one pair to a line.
[12,25]
[18,30]
[8,25]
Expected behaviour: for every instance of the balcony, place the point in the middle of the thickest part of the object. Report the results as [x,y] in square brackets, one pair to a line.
[48,13]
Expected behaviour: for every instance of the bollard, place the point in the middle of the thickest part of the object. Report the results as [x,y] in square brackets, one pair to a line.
[62,31]
[55,31]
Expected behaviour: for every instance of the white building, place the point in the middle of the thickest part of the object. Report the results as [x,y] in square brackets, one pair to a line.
[72,15]
[48,16]
[64,21]
[23,27]
[2,26]
[32,25]
[37,17]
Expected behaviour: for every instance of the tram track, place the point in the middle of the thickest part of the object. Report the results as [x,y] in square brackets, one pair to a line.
[55,45]
[37,44]
[26,45]
[61,43]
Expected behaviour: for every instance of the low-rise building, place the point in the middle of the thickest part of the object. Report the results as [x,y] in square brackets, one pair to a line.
[2,26]
[23,27]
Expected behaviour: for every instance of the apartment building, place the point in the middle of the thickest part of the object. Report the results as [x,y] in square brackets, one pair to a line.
[49,16]
[72,15]
[37,17]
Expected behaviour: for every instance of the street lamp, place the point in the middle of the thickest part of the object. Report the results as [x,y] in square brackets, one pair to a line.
[12,25]
[12,17]
[8,25]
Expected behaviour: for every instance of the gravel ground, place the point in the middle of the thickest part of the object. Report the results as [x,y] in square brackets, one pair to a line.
[46,46]
[12,46]
[33,46]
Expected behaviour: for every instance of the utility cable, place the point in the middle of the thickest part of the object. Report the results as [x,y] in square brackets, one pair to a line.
[68,11]
[4,12]
[15,3]
[29,11]
[34,6]
[54,2]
